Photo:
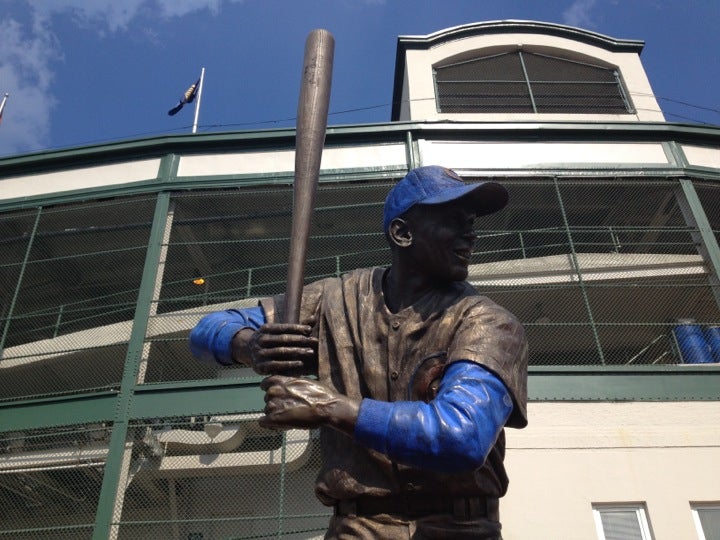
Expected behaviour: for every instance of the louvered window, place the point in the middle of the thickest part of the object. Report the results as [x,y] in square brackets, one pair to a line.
[526,82]
[627,522]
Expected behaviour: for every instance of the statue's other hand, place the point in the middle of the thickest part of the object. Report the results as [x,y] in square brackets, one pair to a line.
[306,404]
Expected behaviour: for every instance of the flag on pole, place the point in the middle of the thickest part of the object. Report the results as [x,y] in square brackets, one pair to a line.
[2,106]
[188,97]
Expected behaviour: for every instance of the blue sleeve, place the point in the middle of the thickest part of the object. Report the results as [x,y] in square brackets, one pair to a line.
[452,433]
[211,339]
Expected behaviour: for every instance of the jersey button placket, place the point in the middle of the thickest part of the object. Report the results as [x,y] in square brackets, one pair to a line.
[394,340]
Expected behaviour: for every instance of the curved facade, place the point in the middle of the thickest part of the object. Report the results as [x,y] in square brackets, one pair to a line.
[419,58]
[609,248]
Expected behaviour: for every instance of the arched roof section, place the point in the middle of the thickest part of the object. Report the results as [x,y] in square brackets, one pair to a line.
[524,27]
[489,32]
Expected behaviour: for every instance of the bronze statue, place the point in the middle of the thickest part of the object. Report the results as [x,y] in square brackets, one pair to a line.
[417,373]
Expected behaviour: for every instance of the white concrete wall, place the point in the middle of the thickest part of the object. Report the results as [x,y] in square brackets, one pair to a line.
[463,155]
[283,161]
[421,87]
[573,455]
[703,156]
[115,174]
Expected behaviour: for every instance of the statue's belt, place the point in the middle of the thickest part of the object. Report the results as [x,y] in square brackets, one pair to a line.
[417,505]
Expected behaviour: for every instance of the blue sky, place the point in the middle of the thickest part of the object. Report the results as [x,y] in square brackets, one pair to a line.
[91,71]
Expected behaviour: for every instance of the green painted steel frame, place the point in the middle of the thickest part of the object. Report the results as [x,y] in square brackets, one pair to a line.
[123,400]
[134,402]
[625,383]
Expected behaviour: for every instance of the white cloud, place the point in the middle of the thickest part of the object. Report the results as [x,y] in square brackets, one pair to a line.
[178,8]
[113,16]
[30,50]
[578,14]
[26,75]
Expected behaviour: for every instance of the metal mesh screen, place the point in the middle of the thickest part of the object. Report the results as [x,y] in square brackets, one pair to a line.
[526,82]
[76,270]
[208,477]
[709,195]
[598,269]
[230,247]
[50,482]
[220,477]
[491,84]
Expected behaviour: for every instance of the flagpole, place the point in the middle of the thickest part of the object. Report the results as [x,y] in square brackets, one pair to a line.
[197,101]
[2,105]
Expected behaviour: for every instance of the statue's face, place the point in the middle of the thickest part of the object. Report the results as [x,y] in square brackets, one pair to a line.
[442,240]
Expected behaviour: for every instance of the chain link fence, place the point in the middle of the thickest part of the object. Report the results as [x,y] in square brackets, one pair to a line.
[599,270]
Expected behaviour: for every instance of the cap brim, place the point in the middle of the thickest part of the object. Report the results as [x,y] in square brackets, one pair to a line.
[484,197]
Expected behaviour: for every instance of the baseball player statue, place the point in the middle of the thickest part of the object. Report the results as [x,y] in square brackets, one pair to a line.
[417,373]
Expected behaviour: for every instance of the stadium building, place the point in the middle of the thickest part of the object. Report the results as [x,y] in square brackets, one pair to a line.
[608,254]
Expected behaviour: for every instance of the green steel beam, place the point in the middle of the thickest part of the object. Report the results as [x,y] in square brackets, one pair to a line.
[227,396]
[204,398]
[167,171]
[671,383]
[578,272]
[11,309]
[111,478]
[707,243]
[676,154]
[411,153]
[703,225]
[58,411]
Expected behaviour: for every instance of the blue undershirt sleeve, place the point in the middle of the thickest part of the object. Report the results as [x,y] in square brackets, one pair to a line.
[452,433]
[211,339]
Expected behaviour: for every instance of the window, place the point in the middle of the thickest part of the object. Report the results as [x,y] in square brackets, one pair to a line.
[526,82]
[707,521]
[621,522]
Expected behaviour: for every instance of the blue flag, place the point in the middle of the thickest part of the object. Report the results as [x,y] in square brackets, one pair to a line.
[188,97]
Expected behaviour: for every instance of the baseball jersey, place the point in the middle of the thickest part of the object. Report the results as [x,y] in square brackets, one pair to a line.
[366,351]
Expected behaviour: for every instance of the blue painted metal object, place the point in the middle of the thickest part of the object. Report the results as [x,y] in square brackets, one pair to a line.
[692,344]
[712,336]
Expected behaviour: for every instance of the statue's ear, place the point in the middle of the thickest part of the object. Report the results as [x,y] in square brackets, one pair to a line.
[399,233]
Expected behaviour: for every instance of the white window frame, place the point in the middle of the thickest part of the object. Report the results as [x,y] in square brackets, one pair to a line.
[696,517]
[640,513]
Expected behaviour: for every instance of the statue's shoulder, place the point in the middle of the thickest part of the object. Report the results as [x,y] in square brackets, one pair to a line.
[474,301]
[365,279]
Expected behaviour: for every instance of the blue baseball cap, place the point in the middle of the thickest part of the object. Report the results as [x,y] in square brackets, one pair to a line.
[437,185]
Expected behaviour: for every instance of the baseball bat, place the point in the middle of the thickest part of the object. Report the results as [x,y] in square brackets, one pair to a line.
[312,116]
